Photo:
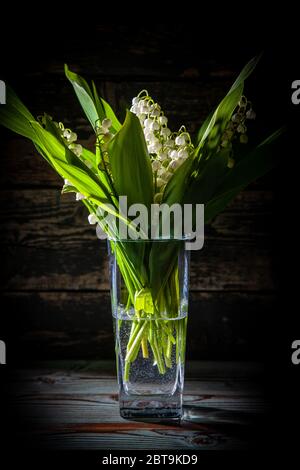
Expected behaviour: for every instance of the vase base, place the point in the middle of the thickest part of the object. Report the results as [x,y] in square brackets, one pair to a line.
[150,408]
[149,415]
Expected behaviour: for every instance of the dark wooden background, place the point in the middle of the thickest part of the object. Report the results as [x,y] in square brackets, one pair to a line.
[54,277]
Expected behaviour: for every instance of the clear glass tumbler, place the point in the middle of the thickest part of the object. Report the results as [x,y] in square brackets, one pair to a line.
[149,298]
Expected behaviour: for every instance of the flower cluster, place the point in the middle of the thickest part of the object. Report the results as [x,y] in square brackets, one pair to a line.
[104,134]
[70,139]
[167,149]
[236,128]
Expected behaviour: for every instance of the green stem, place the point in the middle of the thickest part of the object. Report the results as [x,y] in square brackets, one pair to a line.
[136,343]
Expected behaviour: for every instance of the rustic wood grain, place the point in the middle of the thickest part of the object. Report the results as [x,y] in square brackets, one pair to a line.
[62,409]
[79,325]
[54,270]
[48,244]
[23,167]
[197,100]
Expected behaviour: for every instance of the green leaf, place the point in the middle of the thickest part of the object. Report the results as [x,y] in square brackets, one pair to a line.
[130,163]
[162,258]
[105,110]
[84,96]
[215,129]
[57,153]
[81,180]
[203,186]
[204,126]
[15,116]
[246,72]
[225,109]
[175,188]
[258,162]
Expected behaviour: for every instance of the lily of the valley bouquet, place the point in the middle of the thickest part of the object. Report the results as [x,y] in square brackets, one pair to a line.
[149,163]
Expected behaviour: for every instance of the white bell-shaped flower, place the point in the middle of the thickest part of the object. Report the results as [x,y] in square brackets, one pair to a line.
[93,219]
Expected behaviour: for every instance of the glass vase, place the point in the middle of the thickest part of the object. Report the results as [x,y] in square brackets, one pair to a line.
[149,299]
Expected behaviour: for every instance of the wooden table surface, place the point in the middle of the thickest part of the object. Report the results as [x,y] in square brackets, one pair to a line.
[67,406]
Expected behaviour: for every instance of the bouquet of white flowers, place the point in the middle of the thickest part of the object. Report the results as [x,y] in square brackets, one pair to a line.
[146,161]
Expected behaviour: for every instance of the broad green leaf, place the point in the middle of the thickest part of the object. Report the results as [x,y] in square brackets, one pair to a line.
[254,165]
[246,72]
[218,204]
[204,126]
[162,258]
[81,180]
[175,189]
[130,163]
[84,96]
[15,116]
[203,186]
[57,153]
[215,129]
[224,110]
[257,163]
[105,110]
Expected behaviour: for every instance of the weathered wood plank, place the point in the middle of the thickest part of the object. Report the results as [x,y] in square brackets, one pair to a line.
[62,325]
[116,51]
[48,244]
[63,409]
[23,166]
[196,100]
[221,266]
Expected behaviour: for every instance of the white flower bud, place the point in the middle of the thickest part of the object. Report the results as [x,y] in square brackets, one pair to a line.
[241,128]
[154,126]
[165,132]
[250,114]
[76,148]
[80,196]
[148,122]
[155,112]
[70,136]
[134,109]
[151,148]
[143,110]
[67,182]
[102,130]
[142,117]
[163,120]
[180,140]
[148,135]
[174,164]
[152,138]
[135,100]
[166,176]
[155,165]
[163,156]
[236,118]
[106,123]
[173,154]
[170,144]
[160,182]
[93,219]
[183,153]
[143,107]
